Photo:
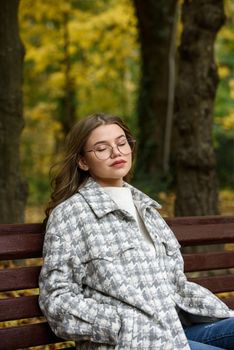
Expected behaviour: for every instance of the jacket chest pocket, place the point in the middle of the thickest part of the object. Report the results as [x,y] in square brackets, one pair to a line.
[110,254]
[104,265]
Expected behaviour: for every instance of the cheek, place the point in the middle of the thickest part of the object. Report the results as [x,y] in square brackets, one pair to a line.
[92,162]
[97,167]
[130,160]
[130,165]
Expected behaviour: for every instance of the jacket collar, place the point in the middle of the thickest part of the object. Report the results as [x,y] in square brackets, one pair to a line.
[102,204]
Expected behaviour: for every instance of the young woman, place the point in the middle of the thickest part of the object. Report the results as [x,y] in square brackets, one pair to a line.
[113,274]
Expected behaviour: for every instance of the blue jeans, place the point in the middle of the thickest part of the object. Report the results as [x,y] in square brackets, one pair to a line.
[211,336]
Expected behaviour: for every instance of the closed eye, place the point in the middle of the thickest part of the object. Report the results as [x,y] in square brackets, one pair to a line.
[101,148]
[122,143]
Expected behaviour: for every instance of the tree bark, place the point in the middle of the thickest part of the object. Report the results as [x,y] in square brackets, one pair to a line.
[156,26]
[13,190]
[196,183]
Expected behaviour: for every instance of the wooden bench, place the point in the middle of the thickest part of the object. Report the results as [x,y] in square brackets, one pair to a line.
[19,280]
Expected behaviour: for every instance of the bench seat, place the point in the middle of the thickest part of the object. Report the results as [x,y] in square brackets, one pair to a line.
[212,267]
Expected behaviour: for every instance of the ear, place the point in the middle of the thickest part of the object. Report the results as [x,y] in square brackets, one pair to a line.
[82,164]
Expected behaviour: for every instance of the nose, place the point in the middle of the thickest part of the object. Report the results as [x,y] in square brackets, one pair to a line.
[115,151]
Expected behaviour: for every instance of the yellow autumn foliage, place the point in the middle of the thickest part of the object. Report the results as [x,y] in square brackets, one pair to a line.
[223,71]
[228,122]
[231,86]
[101,44]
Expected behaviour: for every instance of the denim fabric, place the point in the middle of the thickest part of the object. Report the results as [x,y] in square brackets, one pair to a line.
[219,335]
[199,346]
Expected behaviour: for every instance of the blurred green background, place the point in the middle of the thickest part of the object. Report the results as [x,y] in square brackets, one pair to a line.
[84,56]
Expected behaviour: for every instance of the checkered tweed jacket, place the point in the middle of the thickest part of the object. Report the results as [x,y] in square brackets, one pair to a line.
[100,285]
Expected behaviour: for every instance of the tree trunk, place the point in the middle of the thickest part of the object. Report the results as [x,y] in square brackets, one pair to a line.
[12,188]
[196,192]
[156,31]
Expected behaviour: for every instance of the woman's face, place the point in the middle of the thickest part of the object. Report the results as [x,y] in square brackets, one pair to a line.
[110,171]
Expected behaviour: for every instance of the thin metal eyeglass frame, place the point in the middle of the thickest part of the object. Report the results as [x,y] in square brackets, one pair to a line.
[131,142]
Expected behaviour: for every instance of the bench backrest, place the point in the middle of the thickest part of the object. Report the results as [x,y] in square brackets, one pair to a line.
[19,280]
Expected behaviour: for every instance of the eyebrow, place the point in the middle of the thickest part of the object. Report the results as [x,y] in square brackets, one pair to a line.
[117,138]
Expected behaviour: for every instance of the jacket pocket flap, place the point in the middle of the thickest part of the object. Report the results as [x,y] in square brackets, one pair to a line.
[109,253]
[171,245]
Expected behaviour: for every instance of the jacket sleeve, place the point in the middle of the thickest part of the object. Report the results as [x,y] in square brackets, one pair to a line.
[71,315]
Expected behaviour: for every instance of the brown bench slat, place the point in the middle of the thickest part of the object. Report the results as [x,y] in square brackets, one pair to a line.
[217,284]
[198,220]
[208,261]
[204,234]
[27,335]
[21,278]
[192,220]
[20,245]
[21,228]
[18,308]
[203,227]
[29,245]
[229,302]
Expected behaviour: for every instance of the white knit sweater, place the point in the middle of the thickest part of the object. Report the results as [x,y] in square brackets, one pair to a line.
[122,196]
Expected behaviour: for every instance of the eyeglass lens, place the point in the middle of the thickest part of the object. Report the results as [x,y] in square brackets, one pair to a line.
[104,152]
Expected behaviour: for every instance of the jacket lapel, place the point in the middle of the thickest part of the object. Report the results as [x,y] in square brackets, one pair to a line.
[101,203]
[141,200]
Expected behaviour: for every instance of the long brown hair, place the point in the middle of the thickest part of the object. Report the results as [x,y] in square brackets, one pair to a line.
[70,177]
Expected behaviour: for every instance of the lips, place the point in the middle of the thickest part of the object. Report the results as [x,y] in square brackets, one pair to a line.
[118,162]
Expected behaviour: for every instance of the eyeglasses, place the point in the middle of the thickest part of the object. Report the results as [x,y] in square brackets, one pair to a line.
[103,151]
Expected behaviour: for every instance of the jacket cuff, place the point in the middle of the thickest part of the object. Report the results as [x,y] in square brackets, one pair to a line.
[106,325]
